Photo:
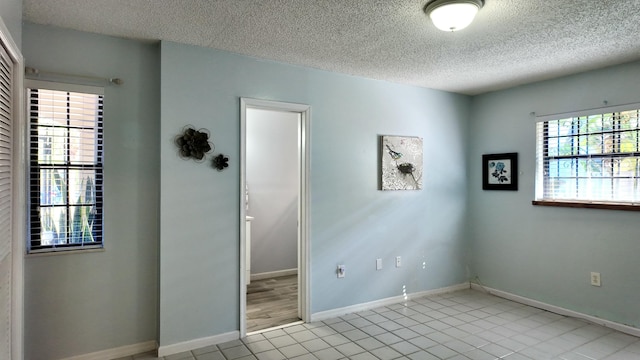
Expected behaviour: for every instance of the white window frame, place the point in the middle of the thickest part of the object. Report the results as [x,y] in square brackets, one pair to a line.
[31,237]
[543,158]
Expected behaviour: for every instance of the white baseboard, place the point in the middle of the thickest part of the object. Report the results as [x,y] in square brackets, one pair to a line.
[166,350]
[328,314]
[122,351]
[559,310]
[273,274]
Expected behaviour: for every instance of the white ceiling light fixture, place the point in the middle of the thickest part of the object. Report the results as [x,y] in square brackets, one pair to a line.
[452,15]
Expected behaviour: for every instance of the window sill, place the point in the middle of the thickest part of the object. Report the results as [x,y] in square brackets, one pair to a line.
[64,252]
[587,205]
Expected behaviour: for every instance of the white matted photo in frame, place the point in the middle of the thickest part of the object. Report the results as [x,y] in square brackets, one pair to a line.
[401,162]
[500,171]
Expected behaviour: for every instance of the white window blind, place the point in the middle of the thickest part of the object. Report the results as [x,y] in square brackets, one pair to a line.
[6,189]
[593,157]
[65,167]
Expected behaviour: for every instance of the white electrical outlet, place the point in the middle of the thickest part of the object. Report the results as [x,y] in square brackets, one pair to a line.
[378,264]
[595,279]
[341,271]
[398,261]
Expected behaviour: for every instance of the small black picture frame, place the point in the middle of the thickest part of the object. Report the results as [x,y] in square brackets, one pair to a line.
[500,171]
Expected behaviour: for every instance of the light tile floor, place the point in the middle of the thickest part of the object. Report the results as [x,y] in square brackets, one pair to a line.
[462,325]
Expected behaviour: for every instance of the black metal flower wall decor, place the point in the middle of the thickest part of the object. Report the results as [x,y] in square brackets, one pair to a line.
[220,162]
[193,144]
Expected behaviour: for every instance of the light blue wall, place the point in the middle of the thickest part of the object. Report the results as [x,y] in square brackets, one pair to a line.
[547,253]
[81,303]
[11,13]
[351,221]
[77,304]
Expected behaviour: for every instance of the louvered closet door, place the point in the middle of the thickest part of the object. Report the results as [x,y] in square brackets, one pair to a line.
[6,105]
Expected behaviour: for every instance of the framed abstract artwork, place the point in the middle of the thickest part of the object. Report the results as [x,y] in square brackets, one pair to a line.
[500,171]
[401,162]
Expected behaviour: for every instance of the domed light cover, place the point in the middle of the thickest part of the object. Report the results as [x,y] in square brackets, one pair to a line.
[452,15]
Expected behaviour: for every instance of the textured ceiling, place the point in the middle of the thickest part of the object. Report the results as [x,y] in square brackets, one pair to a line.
[511,42]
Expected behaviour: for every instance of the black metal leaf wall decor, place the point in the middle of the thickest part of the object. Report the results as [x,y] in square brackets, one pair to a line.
[220,162]
[193,144]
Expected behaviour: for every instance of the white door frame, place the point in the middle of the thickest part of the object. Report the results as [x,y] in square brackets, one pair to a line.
[18,169]
[304,298]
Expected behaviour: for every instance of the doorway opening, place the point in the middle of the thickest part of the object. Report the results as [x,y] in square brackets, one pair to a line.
[274,250]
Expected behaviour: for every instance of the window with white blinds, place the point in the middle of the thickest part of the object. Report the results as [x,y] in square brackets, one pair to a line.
[592,158]
[65,167]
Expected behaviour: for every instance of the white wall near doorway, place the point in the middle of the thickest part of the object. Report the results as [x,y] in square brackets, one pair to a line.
[273,178]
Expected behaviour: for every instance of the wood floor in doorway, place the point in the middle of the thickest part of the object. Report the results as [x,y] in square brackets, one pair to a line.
[272,302]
